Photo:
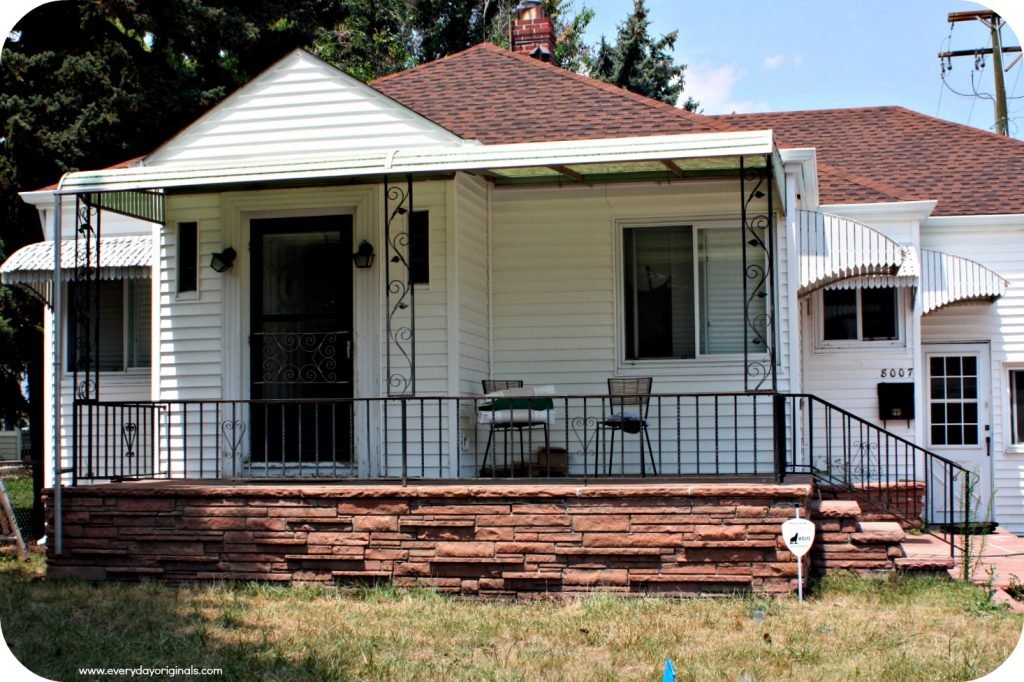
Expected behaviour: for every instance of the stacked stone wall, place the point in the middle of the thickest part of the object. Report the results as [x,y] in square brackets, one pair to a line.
[469,539]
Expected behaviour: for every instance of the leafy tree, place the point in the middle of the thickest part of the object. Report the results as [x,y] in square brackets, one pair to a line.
[376,39]
[640,63]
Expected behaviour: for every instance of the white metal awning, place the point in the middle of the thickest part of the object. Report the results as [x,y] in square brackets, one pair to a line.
[834,249]
[675,155]
[947,280]
[128,257]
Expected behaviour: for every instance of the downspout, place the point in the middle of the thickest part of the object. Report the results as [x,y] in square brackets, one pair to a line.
[490,284]
[58,353]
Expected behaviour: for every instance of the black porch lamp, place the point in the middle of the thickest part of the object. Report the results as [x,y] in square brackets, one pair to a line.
[223,260]
[363,257]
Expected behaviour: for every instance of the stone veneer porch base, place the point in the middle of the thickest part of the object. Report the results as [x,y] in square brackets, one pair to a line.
[470,539]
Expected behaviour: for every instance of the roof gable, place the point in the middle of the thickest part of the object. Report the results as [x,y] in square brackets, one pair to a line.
[301,105]
[867,153]
[498,97]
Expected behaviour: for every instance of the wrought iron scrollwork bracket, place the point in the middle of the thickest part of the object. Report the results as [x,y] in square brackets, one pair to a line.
[399,293]
[759,351]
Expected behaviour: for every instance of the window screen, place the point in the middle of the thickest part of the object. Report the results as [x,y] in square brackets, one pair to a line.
[879,314]
[658,294]
[120,311]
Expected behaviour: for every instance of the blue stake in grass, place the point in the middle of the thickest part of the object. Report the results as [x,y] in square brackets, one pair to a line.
[670,672]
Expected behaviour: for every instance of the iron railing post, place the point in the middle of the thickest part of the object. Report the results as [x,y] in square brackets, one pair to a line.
[779,434]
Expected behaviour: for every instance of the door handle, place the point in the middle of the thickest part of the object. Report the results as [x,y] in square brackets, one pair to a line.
[988,446]
[348,349]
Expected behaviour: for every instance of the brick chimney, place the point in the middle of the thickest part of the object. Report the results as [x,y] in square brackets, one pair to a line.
[533,33]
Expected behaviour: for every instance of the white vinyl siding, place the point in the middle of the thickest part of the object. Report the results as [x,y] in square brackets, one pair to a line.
[1001,248]
[847,373]
[301,106]
[192,334]
[472,285]
[555,284]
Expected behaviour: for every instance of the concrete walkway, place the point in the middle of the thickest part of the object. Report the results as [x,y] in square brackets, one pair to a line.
[1002,550]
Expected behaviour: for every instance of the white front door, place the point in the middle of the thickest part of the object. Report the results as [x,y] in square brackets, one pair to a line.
[957,424]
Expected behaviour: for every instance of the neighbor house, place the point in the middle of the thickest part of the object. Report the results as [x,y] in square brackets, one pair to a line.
[273,336]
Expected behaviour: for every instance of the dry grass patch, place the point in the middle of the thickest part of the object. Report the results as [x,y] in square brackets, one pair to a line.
[897,629]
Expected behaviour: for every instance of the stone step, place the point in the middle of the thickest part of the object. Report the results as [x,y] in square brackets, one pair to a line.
[878,533]
[925,563]
[834,509]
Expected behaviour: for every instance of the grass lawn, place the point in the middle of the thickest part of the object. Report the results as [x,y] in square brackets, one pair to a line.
[899,629]
[18,484]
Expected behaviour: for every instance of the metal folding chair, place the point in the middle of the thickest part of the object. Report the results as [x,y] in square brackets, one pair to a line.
[629,400]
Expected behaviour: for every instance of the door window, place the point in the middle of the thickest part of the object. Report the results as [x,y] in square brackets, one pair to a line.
[953,399]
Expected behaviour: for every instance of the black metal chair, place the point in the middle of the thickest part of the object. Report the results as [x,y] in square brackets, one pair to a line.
[629,400]
[513,423]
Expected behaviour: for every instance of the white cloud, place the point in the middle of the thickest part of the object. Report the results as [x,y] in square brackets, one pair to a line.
[713,87]
[775,61]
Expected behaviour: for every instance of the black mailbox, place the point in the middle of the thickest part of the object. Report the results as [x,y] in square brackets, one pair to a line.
[896,401]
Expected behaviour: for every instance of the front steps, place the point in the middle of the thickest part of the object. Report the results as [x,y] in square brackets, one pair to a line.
[846,540]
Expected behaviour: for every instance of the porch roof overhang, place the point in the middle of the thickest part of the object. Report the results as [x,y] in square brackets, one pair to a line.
[601,160]
[836,250]
[128,257]
[950,280]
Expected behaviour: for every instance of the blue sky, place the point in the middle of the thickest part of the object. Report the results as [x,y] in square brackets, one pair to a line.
[782,55]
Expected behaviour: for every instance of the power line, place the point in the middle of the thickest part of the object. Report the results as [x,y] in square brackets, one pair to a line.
[995,24]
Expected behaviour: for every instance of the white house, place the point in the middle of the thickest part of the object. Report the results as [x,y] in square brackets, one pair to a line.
[773,274]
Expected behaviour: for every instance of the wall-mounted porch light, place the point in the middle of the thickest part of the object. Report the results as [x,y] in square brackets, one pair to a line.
[223,260]
[363,257]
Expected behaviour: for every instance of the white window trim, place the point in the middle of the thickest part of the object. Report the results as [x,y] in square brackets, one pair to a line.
[187,295]
[621,328]
[821,346]
[127,372]
[1011,447]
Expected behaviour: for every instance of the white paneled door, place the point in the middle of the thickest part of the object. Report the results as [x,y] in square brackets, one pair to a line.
[957,415]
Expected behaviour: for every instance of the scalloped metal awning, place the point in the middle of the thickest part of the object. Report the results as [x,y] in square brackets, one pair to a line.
[120,258]
[834,249]
[949,280]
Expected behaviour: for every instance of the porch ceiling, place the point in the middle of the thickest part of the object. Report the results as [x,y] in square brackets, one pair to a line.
[666,156]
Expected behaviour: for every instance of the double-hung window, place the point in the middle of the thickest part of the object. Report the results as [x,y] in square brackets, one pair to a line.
[124,325]
[1017,407]
[860,314]
[683,292]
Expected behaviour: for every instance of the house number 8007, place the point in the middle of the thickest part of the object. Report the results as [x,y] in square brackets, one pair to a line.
[893,373]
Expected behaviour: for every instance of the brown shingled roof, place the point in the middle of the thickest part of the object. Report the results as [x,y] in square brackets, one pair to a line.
[894,154]
[490,94]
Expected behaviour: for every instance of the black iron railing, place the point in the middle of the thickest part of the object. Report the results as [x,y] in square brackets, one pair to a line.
[854,458]
[432,437]
[582,436]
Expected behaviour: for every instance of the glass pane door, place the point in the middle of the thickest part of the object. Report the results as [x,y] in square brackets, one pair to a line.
[301,340]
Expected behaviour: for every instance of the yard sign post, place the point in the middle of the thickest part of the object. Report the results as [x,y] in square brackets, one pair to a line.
[798,534]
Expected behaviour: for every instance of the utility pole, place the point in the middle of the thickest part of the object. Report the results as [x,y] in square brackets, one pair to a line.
[995,24]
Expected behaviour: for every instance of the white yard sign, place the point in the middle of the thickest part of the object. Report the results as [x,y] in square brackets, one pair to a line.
[798,534]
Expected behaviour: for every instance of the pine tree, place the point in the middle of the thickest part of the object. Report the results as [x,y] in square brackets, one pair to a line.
[640,63]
